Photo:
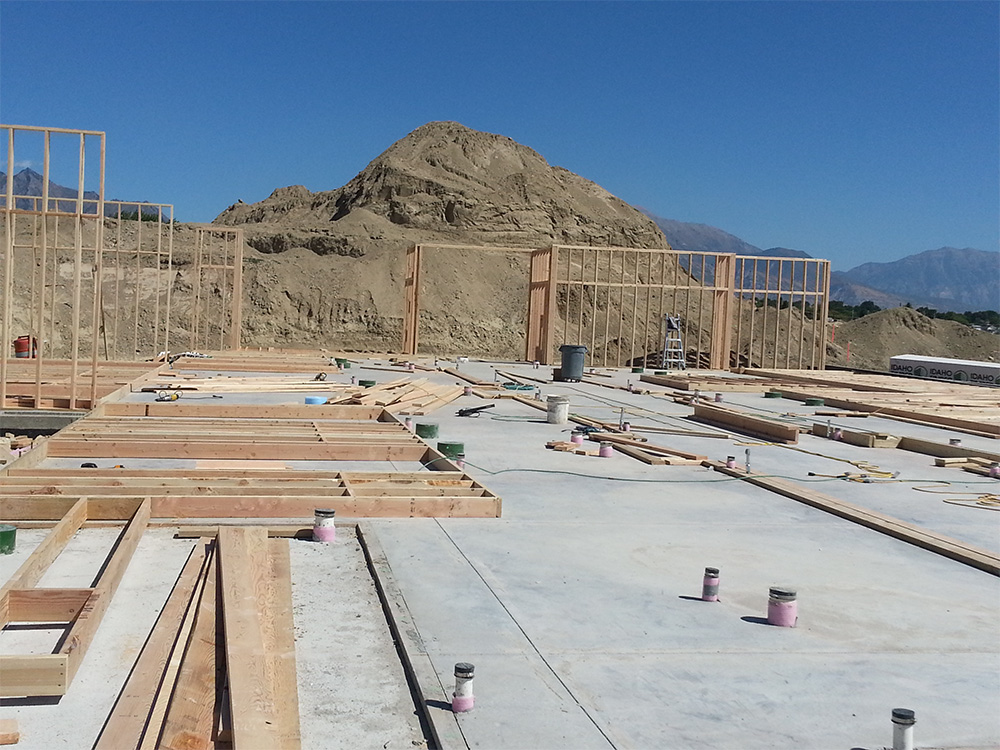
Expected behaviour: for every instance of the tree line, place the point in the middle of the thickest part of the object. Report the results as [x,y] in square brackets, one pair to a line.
[983,318]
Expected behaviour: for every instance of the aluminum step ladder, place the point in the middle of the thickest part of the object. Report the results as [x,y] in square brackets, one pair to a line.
[672,356]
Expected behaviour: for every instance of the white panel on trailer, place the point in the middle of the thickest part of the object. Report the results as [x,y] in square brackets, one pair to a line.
[943,368]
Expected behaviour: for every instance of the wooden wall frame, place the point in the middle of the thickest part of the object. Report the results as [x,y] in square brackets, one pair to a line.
[112,261]
[572,290]
[412,285]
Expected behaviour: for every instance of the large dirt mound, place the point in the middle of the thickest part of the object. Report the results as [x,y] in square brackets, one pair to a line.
[457,184]
[901,330]
[329,266]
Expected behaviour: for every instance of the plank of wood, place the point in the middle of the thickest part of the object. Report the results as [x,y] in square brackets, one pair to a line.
[645,446]
[944,450]
[244,570]
[755,426]
[32,569]
[9,734]
[212,449]
[444,730]
[286,532]
[639,454]
[942,545]
[280,642]
[188,722]
[34,675]
[45,605]
[82,632]
[951,461]
[129,719]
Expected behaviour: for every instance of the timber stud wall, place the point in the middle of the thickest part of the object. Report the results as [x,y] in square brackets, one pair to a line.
[114,262]
[735,310]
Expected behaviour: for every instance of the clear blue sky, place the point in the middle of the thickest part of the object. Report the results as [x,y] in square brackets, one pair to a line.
[854,131]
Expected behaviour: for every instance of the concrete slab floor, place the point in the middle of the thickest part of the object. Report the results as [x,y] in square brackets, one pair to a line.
[580,606]
[352,690]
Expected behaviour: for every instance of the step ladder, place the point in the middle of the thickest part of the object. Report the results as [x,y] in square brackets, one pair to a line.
[672,356]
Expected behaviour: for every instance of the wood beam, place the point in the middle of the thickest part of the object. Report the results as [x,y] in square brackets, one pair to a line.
[129,719]
[755,426]
[82,632]
[244,570]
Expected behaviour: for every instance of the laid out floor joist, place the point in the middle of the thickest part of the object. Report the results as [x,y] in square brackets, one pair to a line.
[51,674]
[40,494]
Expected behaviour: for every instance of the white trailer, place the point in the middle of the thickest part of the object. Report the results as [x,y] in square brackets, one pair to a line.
[942,368]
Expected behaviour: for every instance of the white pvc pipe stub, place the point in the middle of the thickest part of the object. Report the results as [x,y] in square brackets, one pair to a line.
[903,720]
[462,700]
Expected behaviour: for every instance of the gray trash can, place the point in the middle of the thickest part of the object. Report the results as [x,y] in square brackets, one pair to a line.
[572,362]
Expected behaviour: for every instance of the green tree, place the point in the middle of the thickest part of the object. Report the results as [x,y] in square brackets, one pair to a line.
[866,308]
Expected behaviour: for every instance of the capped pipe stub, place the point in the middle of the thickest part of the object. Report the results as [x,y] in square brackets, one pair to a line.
[903,716]
[464,669]
[783,594]
[711,572]
[324,512]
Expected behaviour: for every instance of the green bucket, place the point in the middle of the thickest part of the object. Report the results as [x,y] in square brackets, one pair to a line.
[772,394]
[8,534]
[451,450]
[638,369]
[814,402]
[426,429]
[366,383]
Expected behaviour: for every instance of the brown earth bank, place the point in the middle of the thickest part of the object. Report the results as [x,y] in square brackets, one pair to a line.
[902,330]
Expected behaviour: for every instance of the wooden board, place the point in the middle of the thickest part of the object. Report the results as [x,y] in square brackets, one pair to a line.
[129,719]
[755,426]
[942,545]
[244,578]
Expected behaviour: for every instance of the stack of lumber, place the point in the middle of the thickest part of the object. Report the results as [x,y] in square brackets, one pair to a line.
[403,396]
[218,668]
[563,447]
[864,439]
[957,406]
[694,381]
[766,429]
[171,381]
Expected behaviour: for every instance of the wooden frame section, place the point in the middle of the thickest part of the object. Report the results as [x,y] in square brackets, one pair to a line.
[216,320]
[572,290]
[415,259]
[32,257]
[111,263]
[220,493]
[51,674]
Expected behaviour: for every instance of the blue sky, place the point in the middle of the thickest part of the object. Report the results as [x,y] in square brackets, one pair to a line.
[855,131]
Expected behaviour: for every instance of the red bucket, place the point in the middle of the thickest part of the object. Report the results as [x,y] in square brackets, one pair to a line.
[25,347]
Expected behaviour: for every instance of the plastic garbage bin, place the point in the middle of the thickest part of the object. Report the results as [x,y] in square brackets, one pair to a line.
[572,362]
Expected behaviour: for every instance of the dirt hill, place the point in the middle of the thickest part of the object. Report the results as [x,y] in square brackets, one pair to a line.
[328,271]
[901,330]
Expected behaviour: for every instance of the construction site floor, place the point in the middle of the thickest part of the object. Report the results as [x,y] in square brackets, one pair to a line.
[580,607]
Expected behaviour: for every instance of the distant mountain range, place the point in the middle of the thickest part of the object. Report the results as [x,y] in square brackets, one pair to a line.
[945,279]
[948,278]
[28,182]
